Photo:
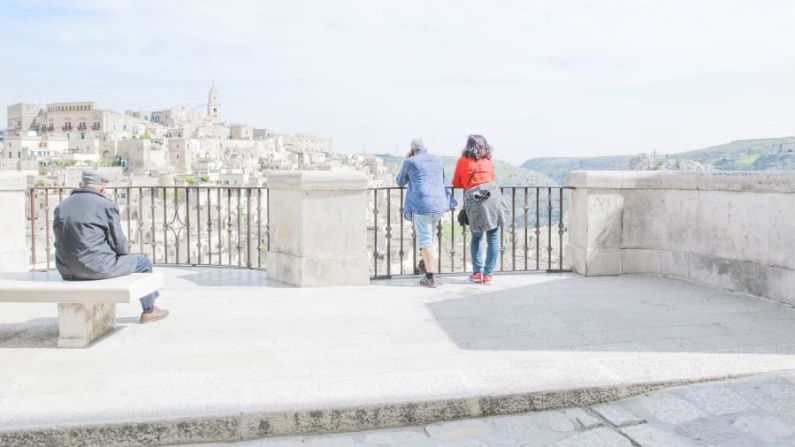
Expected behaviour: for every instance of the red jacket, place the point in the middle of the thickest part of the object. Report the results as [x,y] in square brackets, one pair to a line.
[463,172]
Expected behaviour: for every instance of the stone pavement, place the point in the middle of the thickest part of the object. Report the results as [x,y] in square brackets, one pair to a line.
[242,358]
[752,412]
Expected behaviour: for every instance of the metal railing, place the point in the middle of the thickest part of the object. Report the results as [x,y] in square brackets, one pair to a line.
[183,225]
[532,239]
[229,227]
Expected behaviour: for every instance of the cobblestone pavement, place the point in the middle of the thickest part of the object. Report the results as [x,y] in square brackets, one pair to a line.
[749,412]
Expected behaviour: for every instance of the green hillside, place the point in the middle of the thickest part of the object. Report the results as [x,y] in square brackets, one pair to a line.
[757,154]
[754,154]
[507,174]
[557,168]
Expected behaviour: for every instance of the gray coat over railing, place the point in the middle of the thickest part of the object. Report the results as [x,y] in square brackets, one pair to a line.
[484,213]
[89,243]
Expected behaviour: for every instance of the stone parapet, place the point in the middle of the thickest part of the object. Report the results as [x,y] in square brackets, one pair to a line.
[735,231]
[318,228]
[14,250]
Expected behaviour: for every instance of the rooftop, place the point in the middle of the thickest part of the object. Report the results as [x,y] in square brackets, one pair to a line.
[237,344]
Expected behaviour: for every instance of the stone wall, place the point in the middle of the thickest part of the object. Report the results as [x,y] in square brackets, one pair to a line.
[735,231]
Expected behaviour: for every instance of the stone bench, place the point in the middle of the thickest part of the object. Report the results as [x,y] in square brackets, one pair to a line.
[86,309]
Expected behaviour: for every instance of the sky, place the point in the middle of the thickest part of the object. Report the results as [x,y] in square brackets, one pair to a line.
[537,78]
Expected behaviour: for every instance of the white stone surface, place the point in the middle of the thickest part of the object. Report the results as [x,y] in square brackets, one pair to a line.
[14,251]
[48,287]
[237,342]
[318,228]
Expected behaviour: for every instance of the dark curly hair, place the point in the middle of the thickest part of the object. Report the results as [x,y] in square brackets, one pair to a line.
[477,147]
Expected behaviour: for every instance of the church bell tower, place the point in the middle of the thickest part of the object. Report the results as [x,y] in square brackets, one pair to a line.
[213,105]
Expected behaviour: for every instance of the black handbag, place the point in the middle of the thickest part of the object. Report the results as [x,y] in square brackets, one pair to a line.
[463,219]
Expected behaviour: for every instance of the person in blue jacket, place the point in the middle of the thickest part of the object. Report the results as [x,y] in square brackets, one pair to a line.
[426,200]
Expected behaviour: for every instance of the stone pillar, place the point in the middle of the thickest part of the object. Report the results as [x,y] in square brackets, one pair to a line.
[595,228]
[81,324]
[14,244]
[318,228]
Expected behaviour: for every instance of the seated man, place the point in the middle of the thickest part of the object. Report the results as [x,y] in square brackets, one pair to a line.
[89,243]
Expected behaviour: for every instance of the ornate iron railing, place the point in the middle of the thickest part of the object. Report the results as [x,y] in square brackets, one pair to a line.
[532,239]
[228,226]
[183,225]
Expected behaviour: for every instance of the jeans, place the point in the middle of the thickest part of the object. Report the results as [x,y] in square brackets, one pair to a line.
[492,249]
[144,265]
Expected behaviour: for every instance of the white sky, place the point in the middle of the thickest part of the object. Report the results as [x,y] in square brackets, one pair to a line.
[538,78]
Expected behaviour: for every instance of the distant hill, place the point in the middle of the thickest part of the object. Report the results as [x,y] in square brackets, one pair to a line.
[754,154]
[556,168]
[507,174]
[758,154]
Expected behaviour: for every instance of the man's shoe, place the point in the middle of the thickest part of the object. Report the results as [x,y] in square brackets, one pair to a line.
[487,280]
[421,267]
[155,315]
[428,282]
[476,277]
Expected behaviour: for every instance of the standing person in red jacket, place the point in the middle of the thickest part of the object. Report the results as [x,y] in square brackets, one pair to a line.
[482,203]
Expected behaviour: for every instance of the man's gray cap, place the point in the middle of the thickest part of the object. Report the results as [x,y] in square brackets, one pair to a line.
[94,178]
[418,145]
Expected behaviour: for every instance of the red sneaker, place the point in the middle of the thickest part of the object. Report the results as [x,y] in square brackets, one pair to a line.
[476,277]
[487,280]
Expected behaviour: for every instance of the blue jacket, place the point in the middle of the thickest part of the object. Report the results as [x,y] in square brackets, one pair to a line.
[427,194]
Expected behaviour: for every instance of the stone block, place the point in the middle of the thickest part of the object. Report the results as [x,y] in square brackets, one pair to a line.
[81,324]
[319,272]
[717,400]
[642,218]
[781,232]
[678,220]
[670,409]
[605,212]
[767,428]
[675,264]
[318,228]
[602,262]
[641,261]
[781,285]
[650,436]
[599,437]
[583,419]
[617,415]
[459,430]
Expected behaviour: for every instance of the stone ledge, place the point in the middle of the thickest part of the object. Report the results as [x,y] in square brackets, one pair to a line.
[317,180]
[740,181]
[254,425]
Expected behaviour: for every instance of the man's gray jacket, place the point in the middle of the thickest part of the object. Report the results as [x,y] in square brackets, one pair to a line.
[89,243]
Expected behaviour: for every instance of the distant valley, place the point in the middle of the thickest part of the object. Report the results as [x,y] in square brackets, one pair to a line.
[755,154]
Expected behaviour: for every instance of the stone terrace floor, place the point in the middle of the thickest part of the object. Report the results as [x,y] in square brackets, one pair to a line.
[236,343]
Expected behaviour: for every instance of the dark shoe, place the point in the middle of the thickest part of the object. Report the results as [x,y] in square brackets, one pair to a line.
[428,282]
[421,267]
[155,315]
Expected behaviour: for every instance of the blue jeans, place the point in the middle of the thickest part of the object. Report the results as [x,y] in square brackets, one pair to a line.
[492,249]
[144,265]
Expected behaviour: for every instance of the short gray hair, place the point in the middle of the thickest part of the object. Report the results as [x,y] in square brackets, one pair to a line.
[418,146]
